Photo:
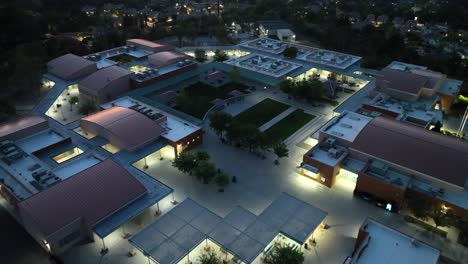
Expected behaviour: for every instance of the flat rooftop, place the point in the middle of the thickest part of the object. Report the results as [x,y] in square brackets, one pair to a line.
[450,87]
[384,243]
[402,66]
[152,71]
[305,53]
[384,173]
[39,140]
[421,110]
[175,128]
[172,236]
[275,67]
[346,126]
[330,155]
[76,165]
[266,44]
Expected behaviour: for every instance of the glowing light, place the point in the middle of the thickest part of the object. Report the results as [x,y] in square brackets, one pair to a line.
[388,207]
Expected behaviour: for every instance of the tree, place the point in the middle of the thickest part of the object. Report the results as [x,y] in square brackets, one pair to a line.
[285,254]
[220,56]
[205,171]
[201,155]
[87,108]
[235,75]
[185,162]
[73,100]
[441,218]
[419,206]
[290,52]
[220,122]
[209,258]
[287,85]
[200,55]
[281,151]
[222,180]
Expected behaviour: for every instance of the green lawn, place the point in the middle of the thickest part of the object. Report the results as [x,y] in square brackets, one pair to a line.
[261,113]
[288,125]
[195,99]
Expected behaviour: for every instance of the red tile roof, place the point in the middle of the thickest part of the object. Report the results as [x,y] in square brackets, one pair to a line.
[427,152]
[91,195]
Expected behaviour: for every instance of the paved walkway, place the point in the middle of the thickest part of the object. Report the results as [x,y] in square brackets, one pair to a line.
[277,118]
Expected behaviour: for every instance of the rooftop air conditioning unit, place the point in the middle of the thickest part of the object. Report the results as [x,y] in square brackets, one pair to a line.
[333,153]
[346,125]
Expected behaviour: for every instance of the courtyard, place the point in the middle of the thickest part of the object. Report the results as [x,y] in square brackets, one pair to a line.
[197,98]
[64,110]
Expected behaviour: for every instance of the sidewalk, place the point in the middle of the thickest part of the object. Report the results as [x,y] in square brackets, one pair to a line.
[277,118]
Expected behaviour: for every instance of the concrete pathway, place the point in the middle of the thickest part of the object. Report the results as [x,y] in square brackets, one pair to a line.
[277,118]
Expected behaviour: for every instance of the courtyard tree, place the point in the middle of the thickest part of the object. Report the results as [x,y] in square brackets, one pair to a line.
[73,100]
[281,151]
[287,85]
[315,90]
[201,155]
[290,52]
[220,122]
[200,55]
[185,162]
[419,206]
[220,56]
[285,254]
[87,108]
[222,180]
[205,171]
[441,218]
[209,258]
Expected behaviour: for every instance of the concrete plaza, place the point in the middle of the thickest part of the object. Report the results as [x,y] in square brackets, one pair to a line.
[259,181]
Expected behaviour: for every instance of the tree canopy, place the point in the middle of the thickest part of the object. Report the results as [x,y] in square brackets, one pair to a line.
[200,55]
[290,52]
[220,122]
[285,254]
[220,56]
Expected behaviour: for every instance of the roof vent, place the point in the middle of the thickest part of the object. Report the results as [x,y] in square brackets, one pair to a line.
[330,142]
[337,133]
[355,118]
[346,125]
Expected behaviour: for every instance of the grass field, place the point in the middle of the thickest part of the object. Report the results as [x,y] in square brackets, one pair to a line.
[261,113]
[195,99]
[288,125]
